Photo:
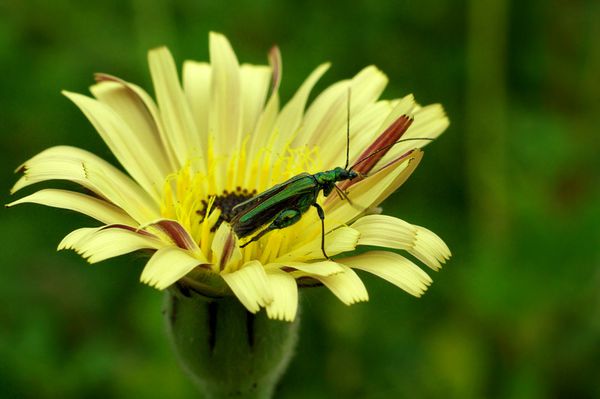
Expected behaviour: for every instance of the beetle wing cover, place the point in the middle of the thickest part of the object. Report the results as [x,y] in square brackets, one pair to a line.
[264,207]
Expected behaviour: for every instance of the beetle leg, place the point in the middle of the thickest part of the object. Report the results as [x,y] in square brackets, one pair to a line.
[343,195]
[285,218]
[322,217]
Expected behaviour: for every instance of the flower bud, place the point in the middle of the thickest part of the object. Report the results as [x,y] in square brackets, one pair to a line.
[228,351]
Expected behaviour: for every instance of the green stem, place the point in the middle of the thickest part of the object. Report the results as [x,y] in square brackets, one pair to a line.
[228,351]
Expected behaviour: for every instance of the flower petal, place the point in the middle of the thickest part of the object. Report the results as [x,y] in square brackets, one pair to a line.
[324,268]
[255,81]
[429,122]
[276,67]
[275,131]
[413,159]
[174,109]
[92,172]
[168,265]
[378,148]
[404,106]
[285,296]
[369,192]
[96,208]
[250,285]
[391,232]
[176,233]
[71,240]
[342,239]
[365,125]
[392,267]
[225,105]
[98,244]
[129,147]
[225,250]
[154,115]
[134,111]
[290,117]
[347,286]
[266,121]
[326,119]
[196,86]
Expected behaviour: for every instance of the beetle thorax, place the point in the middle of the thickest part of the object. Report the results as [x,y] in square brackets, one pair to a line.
[334,175]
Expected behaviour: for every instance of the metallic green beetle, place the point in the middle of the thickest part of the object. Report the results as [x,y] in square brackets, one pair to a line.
[283,204]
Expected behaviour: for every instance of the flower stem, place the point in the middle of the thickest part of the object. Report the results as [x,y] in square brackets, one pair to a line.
[228,351]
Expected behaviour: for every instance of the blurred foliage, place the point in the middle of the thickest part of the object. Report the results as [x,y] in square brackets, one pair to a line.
[512,186]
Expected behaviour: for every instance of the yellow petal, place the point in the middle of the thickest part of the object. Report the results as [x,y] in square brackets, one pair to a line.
[196,85]
[98,244]
[404,106]
[225,105]
[154,117]
[324,268]
[391,232]
[174,110]
[225,249]
[347,286]
[399,179]
[250,285]
[96,208]
[92,172]
[364,129]
[291,115]
[429,122]
[342,239]
[129,147]
[71,240]
[392,267]
[168,265]
[254,80]
[132,109]
[368,193]
[266,121]
[326,120]
[379,119]
[174,233]
[285,296]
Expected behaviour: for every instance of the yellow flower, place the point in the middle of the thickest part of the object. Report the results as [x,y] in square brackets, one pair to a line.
[217,140]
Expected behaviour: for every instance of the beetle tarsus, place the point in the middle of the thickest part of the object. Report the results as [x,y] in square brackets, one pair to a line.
[322,217]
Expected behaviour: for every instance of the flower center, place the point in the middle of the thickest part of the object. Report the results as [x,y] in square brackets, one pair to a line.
[225,202]
[201,198]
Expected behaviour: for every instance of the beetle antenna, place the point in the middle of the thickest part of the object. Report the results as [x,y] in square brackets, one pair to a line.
[388,147]
[347,131]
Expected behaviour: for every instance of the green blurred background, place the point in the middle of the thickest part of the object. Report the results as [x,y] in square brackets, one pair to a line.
[512,187]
